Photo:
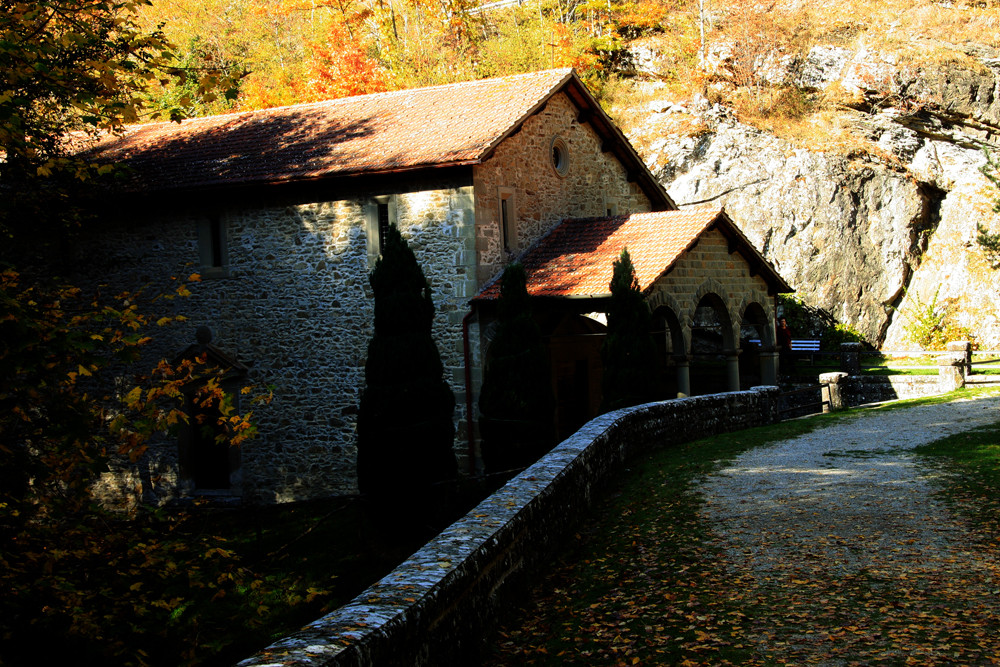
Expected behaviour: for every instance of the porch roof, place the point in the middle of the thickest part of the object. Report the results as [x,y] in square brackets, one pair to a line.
[575,259]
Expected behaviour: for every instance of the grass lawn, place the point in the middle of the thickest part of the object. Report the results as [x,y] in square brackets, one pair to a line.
[639,583]
[972,486]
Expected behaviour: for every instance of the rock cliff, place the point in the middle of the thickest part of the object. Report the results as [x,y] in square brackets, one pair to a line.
[871,234]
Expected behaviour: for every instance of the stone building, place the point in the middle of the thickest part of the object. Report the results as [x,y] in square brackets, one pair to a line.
[280,212]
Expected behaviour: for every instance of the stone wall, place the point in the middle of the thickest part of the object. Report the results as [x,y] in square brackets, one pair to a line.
[296,306]
[709,267]
[862,389]
[542,197]
[439,607]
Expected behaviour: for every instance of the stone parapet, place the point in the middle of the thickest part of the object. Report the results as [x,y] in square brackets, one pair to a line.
[862,389]
[438,606]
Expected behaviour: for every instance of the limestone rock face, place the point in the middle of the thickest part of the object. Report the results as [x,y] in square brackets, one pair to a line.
[866,238]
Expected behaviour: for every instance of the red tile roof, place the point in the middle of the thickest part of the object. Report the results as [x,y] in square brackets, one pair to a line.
[576,258]
[384,132]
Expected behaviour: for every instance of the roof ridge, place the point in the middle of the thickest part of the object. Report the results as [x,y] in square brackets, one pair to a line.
[556,74]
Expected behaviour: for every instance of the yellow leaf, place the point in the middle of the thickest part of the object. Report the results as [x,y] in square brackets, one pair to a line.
[83,371]
[134,396]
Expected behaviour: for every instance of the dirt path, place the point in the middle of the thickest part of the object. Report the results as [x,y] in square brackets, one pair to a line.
[841,554]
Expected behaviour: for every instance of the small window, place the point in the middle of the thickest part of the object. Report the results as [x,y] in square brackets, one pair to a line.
[560,156]
[213,247]
[508,220]
[610,207]
[381,213]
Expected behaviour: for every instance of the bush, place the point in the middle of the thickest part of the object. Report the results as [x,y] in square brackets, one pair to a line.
[929,324]
[628,350]
[840,333]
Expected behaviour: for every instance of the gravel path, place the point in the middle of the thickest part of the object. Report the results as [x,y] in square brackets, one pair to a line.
[840,530]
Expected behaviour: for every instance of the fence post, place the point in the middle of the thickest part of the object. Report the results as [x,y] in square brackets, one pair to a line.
[964,348]
[832,396]
[951,371]
[850,358]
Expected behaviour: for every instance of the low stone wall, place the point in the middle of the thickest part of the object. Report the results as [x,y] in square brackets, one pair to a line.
[861,389]
[439,606]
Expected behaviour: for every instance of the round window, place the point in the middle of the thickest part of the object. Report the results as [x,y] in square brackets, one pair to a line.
[560,156]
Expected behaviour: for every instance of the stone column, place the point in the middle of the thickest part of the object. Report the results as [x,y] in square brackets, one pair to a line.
[951,371]
[733,369]
[963,348]
[769,366]
[683,363]
[850,358]
[832,390]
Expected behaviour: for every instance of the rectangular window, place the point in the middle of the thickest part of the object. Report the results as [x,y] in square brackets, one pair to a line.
[213,248]
[508,220]
[383,222]
[380,213]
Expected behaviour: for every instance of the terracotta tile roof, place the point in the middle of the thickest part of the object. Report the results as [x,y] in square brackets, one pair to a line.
[576,258]
[384,132]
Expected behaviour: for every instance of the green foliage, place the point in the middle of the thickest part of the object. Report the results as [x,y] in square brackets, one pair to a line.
[804,320]
[840,333]
[102,584]
[929,324]
[628,351]
[516,401]
[71,66]
[405,423]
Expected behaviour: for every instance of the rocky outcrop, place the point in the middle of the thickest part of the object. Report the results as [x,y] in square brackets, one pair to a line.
[866,236]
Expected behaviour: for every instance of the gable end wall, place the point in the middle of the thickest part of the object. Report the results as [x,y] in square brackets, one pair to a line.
[523,162]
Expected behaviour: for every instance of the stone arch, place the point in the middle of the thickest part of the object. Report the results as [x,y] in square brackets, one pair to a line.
[661,300]
[757,352]
[714,355]
[714,291]
[753,315]
[671,354]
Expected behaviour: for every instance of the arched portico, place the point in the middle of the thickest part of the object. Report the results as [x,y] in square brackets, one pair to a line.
[714,346]
[673,361]
[755,325]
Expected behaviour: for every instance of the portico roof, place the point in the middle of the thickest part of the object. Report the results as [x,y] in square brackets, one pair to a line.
[575,259]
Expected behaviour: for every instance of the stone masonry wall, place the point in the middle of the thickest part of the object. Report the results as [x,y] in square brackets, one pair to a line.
[709,267]
[862,389]
[439,607]
[543,197]
[297,307]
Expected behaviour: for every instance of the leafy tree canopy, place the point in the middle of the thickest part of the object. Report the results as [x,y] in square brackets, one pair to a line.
[71,70]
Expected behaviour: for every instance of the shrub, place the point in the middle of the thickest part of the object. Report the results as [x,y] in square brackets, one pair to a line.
[929,324]
[628,350]
[840,333]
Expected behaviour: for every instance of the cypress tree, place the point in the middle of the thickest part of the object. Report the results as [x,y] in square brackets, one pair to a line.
[628,352]
[516,402]
[405,422]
